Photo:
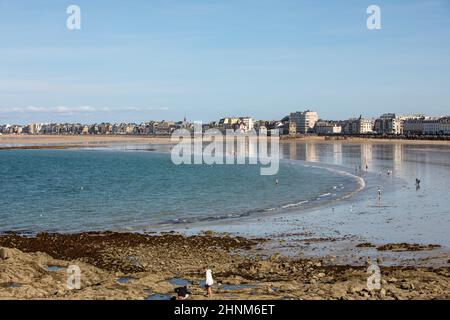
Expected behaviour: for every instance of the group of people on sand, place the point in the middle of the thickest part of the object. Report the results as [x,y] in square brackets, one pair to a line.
[389,172]
[184,292]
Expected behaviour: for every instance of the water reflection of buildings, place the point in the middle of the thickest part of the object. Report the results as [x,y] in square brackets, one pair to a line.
[252,148]
[392,155]
[311,152]
[301,151]
[293,150]
[398,158]
[338,153]
[366,155]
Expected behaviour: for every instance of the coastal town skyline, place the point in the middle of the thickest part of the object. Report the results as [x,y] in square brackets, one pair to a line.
[297,122]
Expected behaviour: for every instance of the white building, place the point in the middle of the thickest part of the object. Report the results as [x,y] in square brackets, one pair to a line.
[248,122]
[437,126]
[359,126]
[304,121]
[325,127]
[365,126]
[389,123]
[413,126]
[444,127]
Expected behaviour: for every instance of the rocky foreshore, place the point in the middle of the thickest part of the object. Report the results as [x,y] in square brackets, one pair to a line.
[151,266]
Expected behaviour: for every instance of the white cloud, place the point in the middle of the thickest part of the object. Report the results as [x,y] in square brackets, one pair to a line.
[64,110]
[67,86]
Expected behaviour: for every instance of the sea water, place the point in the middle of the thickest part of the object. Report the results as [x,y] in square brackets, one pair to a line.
[113,189]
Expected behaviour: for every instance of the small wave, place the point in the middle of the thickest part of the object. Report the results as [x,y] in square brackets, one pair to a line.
[294,204]
[317,199]
[325,195]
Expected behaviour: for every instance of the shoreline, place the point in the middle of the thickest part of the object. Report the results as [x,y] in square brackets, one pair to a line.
[300,207]
[357,139]
[139,266]
[88,141]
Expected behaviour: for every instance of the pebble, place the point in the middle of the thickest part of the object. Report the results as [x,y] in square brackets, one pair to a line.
[5,253]
[352,290]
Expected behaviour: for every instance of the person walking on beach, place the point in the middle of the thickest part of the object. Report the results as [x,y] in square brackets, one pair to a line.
[379,195]
[417,183]
[209,283]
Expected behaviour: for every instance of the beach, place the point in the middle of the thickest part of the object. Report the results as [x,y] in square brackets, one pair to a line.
[298,252]
[77,141]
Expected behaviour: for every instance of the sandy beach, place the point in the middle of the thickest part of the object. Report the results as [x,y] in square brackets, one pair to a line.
[76,141]
[80,141]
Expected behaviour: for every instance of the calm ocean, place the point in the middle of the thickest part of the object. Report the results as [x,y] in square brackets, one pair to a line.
[85,190]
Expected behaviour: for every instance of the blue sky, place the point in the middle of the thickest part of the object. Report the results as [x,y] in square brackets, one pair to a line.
[141,60]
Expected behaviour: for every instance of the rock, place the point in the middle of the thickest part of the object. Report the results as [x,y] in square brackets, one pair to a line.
[352,290]
[382,293]
[321,275]
[5,253]
[275,257]
[365,245]
[407,286]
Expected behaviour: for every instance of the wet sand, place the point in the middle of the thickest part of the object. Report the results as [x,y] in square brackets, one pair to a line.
[80,141]
[75,141]
[143,266]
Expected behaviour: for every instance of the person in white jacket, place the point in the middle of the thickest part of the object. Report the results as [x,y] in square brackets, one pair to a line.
[209,283]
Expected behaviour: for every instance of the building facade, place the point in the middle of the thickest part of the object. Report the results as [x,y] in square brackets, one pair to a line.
[389,123]
[358,126]
[304,121]
[327,127]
